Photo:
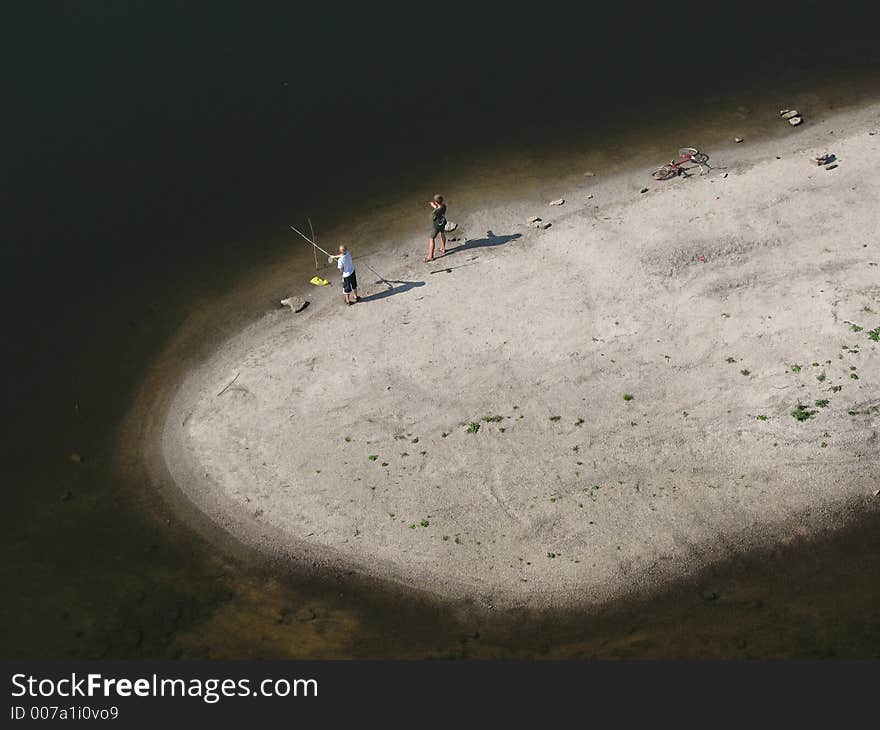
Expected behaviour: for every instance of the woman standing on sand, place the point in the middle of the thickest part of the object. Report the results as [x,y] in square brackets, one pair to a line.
[438,225]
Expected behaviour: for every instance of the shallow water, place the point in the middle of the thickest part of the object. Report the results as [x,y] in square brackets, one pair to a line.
[154,159]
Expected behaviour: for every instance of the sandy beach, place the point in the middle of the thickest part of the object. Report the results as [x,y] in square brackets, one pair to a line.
[562,417]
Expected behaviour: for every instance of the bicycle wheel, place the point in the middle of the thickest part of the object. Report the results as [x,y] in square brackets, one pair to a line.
[663,173]
[685,152]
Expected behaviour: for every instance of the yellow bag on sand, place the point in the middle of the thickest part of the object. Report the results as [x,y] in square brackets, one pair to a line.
[318,281]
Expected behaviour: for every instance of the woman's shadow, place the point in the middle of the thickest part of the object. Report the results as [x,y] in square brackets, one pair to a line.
[490,240]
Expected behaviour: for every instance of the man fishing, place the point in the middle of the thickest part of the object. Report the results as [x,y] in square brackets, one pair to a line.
[349,277]
[346,267]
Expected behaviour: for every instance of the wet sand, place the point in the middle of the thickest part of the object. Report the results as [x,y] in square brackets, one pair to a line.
[698,298]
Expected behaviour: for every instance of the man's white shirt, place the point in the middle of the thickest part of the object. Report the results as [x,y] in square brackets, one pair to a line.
[346,265]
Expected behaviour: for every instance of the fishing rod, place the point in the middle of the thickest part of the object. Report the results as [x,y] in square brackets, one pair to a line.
[326,253]
[314,238]
[330,256]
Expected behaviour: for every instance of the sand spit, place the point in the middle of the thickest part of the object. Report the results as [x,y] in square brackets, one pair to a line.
[561,416]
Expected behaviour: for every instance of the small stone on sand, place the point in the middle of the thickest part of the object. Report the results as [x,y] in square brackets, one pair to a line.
[737,139]
[560,201]
[296,304]
[305,614]
[534,219]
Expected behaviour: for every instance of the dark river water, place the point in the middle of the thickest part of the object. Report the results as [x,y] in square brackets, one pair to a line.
[152,155]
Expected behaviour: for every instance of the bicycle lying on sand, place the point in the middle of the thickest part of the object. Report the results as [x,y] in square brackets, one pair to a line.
[673,167]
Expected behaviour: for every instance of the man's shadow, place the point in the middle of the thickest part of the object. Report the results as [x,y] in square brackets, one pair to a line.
[490,240]
[398,288]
